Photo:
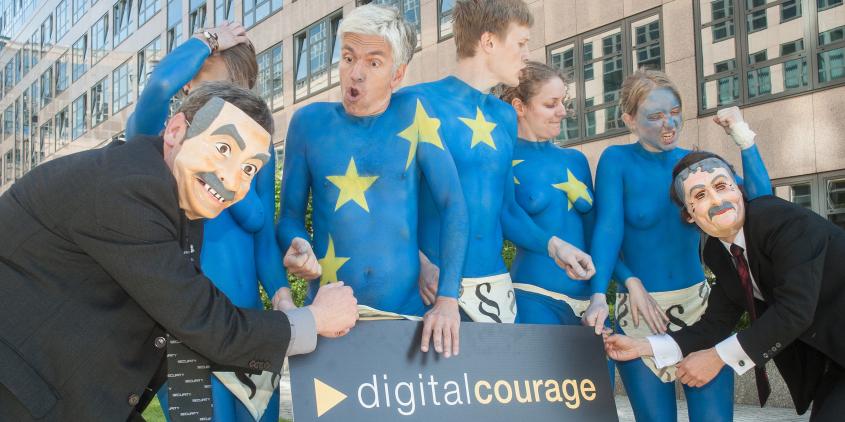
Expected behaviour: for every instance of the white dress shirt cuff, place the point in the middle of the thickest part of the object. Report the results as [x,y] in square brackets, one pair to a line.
[303,331]
[665,350]
[732,354]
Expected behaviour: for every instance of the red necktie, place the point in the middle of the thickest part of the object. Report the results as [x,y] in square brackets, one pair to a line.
[763,386]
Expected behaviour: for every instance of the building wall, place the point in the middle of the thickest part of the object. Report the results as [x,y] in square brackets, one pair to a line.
[797,135]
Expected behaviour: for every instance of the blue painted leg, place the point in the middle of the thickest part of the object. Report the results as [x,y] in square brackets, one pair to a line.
[713,402]
[651,399]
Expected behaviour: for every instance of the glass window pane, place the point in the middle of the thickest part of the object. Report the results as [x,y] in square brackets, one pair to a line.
[831,65]
[607,69]
[563,58]
[446,7]
[645,34]
[800,194]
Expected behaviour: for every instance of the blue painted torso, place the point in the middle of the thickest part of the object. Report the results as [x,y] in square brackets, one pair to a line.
[483,159]
[375,234]
[541,171]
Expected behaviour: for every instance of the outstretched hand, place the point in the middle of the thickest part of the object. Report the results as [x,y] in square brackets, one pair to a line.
[441,325]
[578,265]
[596,313]
[623,348]
[301,261]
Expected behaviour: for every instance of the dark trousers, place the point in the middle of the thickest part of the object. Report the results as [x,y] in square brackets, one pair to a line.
[829,401]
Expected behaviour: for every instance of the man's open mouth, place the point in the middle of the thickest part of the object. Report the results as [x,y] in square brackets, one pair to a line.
[353,94]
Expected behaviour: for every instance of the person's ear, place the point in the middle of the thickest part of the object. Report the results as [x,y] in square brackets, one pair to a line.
[519,107]
[630,123]
[175,130]
[398,76]
[487,41]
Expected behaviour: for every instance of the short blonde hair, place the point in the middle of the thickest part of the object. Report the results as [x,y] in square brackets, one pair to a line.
[636,88]
[472,18]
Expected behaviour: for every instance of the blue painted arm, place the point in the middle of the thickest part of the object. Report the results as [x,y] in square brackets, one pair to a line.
[621,272]
[756,181]
[248,212]
[296,183]
[268,256]
[517,226]
[442,177]
[610,220]
[169,76]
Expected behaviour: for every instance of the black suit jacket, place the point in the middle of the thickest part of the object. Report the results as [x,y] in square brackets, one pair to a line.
[797,259]
[93,271]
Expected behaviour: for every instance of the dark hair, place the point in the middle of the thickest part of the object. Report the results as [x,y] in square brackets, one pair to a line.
[472,18]
[694,157]
[241,63]
[244,99]
[531,77]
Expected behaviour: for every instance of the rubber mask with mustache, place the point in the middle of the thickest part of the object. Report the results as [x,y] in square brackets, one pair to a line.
[221,152]
[713,200]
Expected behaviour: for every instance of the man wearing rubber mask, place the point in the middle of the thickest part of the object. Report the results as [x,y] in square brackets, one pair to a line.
[99,262]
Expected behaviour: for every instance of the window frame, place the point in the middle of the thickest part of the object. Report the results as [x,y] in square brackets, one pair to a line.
[125,32]
[141,82]
[116,79]
[268,52]
[578,79]
[68,65]
[810,53]
[255,7]
[62,30]
[818,190]
[220,6]
[96,57]
[84,59]
[440,36]
[147,16]
[402,10]
[194,24]
[328,20]
[104,102]
[74,111]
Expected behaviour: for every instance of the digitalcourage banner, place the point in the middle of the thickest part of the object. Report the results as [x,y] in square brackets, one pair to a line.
[504,372]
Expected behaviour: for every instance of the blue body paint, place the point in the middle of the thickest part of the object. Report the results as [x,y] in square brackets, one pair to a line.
[480,131]
[364,175]
[238,245]
[636,222]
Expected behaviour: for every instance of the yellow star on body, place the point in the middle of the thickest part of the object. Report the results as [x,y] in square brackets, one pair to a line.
[574,189]
[423,129]
[352,186]
[515,163]
[482,130]
[330,264]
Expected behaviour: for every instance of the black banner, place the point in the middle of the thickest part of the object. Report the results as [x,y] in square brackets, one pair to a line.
[504,372]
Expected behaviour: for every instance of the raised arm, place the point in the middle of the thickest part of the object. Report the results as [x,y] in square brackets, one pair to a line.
[169,76]
[756,181]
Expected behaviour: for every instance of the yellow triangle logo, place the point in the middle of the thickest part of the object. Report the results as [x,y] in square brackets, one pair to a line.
[327,397]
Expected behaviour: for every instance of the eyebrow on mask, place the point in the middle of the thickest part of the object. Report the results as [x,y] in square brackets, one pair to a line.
[232,131]
[695,187]
[261,156]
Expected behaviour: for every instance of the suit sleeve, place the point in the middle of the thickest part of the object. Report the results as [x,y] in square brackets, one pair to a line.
[797,248]
[717,323]
[136,241]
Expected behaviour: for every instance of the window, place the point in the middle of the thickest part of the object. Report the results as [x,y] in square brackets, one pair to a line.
[196,20]
[63,127]
[9,121]
[46,146]
[174,24]
[269,85]
[146,10]
[46,35]
[80,57]
[9,173]
[80,105]
[35,91]
[61,19]
[9,76]
[99,39]
[766,58]
[61,73]
[122,15]
[25,60]
[121,92]
[100,102]
[257,10]
[36,48]
[147,59]
[823,193]
[79,9]
[223,11]
[789,10]
[595,64]
[25,126]
[409,9]
[47,86]
[444,23]
[317,57]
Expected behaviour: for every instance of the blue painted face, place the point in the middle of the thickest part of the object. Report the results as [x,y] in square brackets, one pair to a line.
[658,120]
